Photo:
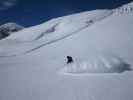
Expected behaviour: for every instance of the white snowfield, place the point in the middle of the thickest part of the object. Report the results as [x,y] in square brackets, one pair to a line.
[33,60]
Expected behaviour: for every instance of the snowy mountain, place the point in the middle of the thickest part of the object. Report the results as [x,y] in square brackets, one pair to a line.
[50,31]
[128,8]
[33,60]
[9,28]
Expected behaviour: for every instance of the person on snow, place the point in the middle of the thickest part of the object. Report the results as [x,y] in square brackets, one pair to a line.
[69,59]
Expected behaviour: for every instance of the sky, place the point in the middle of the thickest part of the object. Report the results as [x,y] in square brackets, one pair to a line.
[33,12]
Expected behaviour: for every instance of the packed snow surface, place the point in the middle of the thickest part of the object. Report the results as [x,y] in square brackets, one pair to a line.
[33,60]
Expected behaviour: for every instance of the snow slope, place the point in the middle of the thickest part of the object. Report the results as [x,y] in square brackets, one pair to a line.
[31,38]
[31,60]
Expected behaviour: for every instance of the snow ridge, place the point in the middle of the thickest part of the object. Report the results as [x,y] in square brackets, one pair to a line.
[125,9]
[51,31]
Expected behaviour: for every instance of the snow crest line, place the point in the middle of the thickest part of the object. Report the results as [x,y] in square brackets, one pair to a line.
[47,38]
[91,22]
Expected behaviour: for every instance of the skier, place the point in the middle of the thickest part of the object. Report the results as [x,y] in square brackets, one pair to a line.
[69,59]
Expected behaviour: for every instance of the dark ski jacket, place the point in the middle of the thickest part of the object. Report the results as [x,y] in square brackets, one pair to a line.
[69,59]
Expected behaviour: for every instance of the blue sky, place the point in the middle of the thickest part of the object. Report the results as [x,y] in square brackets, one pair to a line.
[32,12]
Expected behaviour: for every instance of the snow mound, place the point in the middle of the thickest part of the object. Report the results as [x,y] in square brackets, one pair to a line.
[98,64]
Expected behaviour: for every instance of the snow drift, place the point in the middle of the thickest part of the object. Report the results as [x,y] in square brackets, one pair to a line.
[102,63]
